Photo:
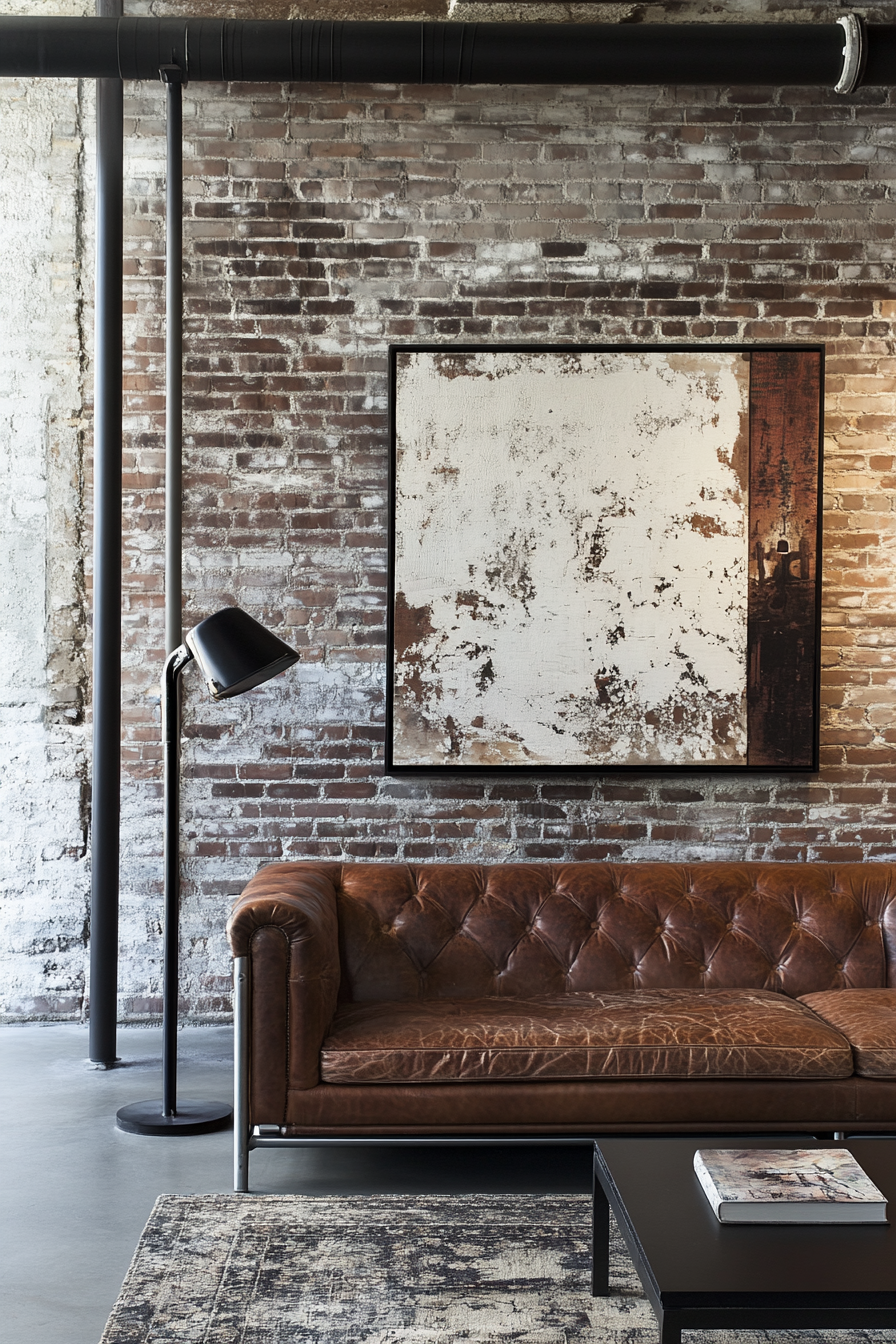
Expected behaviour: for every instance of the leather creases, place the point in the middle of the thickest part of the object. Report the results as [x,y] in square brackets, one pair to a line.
[867,1018]
[653,1033]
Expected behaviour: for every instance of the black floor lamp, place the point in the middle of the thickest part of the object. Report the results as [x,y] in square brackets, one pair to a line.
[235,653]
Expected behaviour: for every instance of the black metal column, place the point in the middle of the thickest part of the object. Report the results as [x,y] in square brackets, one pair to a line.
[105,794]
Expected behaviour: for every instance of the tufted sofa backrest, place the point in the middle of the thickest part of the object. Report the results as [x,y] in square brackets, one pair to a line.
[466,931]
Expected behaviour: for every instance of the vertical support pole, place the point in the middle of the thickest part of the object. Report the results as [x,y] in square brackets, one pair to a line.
[172,77]
[106,767]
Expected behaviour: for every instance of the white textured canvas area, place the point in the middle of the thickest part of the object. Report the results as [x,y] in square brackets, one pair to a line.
[571,558]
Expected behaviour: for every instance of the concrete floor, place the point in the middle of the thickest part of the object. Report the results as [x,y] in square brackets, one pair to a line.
[75,1191]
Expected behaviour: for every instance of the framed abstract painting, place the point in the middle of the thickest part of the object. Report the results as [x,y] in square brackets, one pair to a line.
[604,558]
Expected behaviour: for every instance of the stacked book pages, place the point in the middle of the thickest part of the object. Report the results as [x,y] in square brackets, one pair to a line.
[788,1185]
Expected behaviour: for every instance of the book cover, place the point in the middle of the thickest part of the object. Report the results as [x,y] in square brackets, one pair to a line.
[788,1185]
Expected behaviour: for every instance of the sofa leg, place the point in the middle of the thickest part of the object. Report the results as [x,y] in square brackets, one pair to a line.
[241,990]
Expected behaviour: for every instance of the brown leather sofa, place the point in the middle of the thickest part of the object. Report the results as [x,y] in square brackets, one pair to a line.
[570,999]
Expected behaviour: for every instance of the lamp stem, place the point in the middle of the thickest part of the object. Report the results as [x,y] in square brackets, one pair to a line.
[194,1117]
[165,1117]
[174,665]
[174,305]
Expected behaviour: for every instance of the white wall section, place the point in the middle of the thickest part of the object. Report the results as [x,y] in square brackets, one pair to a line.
[43,769]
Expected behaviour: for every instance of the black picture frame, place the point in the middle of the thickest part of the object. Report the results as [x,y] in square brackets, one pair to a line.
[783,599]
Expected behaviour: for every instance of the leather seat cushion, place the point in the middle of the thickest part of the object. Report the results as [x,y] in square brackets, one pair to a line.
[867,1018]
[657,1033]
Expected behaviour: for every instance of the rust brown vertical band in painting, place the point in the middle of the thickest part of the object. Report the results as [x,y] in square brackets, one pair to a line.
[785,455]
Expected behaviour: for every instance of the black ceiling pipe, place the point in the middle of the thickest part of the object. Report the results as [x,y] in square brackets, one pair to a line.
[442,53]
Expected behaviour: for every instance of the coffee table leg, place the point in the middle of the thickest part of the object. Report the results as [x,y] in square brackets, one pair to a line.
[600,1239]
[670,1328]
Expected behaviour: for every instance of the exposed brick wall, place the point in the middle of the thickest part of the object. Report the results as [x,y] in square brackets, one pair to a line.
[45,282]
[324,223]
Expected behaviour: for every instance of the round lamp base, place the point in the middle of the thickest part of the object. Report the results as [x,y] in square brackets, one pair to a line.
[191,1117]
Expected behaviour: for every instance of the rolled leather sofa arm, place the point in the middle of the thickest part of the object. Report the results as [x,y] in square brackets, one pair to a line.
[285,923]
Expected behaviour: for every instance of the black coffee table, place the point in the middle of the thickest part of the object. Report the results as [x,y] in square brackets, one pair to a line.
[699,1275]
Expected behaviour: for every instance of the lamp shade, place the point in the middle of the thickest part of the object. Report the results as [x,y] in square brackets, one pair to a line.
[236,653]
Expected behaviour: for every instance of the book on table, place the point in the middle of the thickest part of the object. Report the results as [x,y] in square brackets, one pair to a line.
[788,1185]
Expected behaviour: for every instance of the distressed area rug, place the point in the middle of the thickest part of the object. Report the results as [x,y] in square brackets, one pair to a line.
[388,1269]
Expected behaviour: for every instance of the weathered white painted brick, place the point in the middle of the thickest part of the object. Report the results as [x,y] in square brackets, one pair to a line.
[43,877]
[294,430]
